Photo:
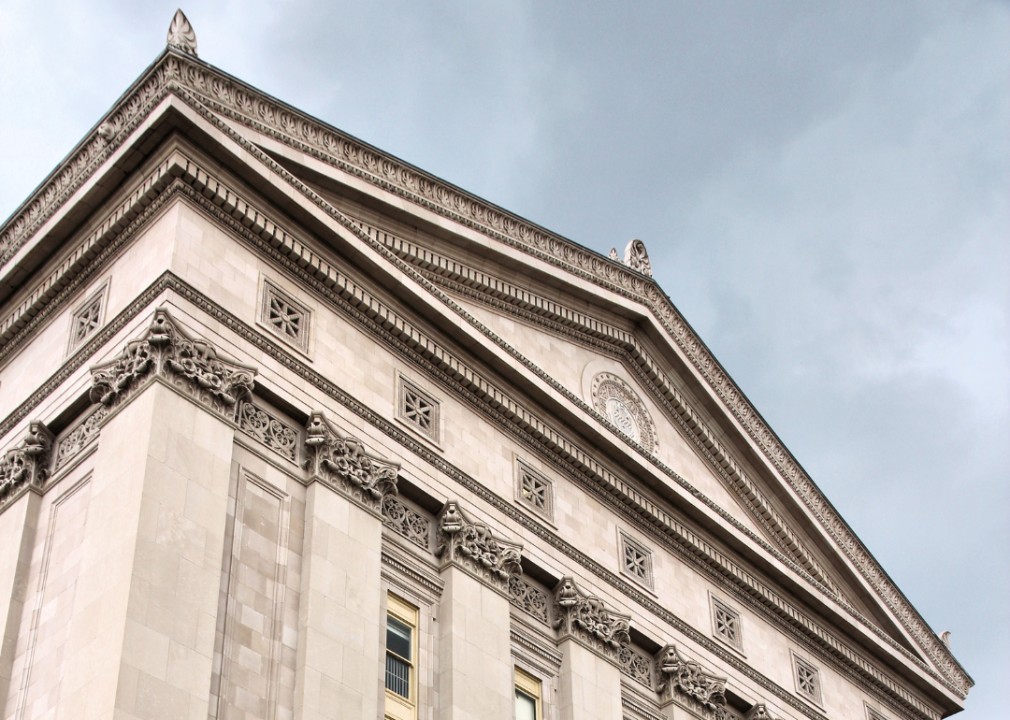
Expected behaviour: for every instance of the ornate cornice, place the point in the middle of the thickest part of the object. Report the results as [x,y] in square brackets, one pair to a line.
[344,464]
[471,546]
[586,619]
[26,465]
[336,289]
[688,678]
[165,351]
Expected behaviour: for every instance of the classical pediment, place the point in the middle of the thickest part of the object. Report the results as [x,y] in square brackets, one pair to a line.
[447,274]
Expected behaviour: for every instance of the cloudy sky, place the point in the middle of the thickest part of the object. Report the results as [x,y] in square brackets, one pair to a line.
[823,189]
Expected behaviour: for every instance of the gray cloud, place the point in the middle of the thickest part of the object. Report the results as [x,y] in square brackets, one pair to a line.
[823,189]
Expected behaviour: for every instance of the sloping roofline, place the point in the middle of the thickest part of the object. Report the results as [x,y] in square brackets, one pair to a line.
[174,71]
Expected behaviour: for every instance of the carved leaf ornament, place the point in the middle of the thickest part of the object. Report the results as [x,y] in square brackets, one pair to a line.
[26,464]
[192,366]
[472,545]
[615,400]
[344,462]
[587,618]
[688,677]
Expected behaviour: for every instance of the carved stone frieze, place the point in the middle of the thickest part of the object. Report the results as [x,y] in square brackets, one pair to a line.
[529,598]
[270,431]
[471,545]
[689,679]
[27,463]
[619,403]
[80,437]
[343,463]
[189,365]
[585,617]
[405,521]
[635,665]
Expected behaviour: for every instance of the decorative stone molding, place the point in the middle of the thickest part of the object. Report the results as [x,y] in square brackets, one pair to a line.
[635,257]
[344,464]
[406,522]
[635,665]
[27,464]
[587,619]
[181,35]
[686,677]
[758,712]
[529,598]
[615,400]
[80,437]
[471,545]
[275,434]
[189,365]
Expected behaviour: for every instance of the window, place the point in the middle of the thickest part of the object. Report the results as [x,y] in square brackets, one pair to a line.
[528,696]
[88,318]
[285,317]
[636,560]
[726,625]
[418,409]
[401,654]
[534,490]
[808,682]
[872,714]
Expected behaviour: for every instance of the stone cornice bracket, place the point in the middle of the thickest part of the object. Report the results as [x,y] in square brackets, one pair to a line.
[688,678]
[587,619]
[28,463]
[344,464]
[758,712]
[635,257]
[181,35]
[189,365]
[470,545]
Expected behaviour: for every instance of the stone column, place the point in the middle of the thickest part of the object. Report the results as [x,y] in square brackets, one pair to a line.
[339,666]
[590,639]
[474,624]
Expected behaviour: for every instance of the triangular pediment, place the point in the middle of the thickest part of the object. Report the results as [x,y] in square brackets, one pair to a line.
[400,229]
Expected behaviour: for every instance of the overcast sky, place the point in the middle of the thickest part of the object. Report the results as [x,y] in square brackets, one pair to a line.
[823,190]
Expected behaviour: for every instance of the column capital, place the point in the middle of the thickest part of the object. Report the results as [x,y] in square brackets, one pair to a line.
[588,620]
[27,464]
[686,678]
[471,545]
[343,464]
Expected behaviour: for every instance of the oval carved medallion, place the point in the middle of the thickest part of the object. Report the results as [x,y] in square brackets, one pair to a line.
[614,399]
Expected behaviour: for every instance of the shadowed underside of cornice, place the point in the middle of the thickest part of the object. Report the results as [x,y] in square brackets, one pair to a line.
[176,72]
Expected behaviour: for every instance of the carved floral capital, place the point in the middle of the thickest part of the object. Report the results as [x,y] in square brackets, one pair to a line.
[344,463]
[586,618]
[190,365]
[689,679]
[27,464]
[471,545]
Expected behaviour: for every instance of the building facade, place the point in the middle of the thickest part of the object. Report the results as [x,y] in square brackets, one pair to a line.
[293,429]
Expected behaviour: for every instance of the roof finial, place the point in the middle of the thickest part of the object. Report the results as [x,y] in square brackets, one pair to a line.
[635,257]
[181,35]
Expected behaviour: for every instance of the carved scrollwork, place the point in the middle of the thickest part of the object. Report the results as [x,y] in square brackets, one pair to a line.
[635,665]
[405,521]
[635,257]
[190,365]
[529,598]
[689,679]
[586,618]
[27,463]
[344,463]
[271,432]
[472,546]
[80,437]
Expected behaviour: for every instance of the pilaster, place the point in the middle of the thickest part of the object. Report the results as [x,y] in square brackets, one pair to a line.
[474,628]
[591,636]
[340,659]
